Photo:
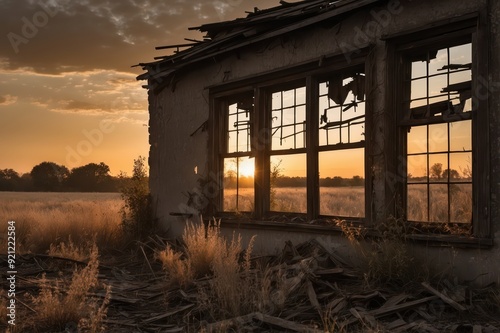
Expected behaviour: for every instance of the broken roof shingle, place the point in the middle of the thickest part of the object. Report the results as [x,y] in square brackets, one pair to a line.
[222,37]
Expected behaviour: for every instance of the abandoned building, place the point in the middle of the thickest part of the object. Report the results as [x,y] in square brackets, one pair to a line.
[296,117]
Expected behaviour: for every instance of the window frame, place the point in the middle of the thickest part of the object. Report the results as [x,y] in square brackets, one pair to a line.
[225,151]
[310,74]
[473,28]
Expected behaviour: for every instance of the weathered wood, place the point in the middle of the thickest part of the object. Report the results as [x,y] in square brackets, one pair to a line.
[293,283]
[312,296]
[336,306]
[394,300]
[480,126]
[312,140]
[443,297]
[147,261]
[168,314]
[395,324]
[405,328]
[46,256]
[330,271]
[223,324]
[400,307]
[289,325]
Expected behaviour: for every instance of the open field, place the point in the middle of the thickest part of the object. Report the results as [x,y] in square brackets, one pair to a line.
[349,201]
[337,201]
[44,218]
[433,206]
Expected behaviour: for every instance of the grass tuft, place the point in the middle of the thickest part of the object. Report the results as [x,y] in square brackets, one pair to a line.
[71,250]
[202,245]
[387,260]
[179,271]
[56,310]
[234,288]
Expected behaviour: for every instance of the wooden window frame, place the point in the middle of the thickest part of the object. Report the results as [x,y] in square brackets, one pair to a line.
[309,74]
[470,27]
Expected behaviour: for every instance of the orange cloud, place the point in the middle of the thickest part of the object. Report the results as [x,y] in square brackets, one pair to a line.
[8,100]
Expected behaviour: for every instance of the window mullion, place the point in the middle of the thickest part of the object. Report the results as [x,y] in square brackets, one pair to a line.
[312,142]
[261,138]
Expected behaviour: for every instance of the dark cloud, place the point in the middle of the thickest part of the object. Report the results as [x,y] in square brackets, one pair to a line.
[67,35]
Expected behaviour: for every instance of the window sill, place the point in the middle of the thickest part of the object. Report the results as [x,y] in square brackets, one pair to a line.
[273,225]
[453,241]
[435,240]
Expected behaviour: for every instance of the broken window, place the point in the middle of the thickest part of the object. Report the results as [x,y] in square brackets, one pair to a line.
[341,144]
[289,119]
[441,83]
[238,164]
[342,109]
[305,138]
[437,117]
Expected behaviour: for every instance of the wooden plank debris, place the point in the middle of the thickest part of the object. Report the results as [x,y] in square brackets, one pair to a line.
[287,324]
[400,307]
[443,297]
[168,314]
[312,296]
[223,324]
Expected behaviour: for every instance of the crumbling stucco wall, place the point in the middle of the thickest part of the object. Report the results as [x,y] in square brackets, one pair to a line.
[178,158]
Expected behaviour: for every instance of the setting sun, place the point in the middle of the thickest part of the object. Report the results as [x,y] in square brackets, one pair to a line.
[247,167]
[242,165]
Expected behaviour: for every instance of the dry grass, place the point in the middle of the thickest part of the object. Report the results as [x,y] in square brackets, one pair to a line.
[342,201]
[234,288]
[201,246]
[387,260]
[289,199]
[350,202]
[178,270]
[460,203]
[71,250]
[245,200]
[57,309]
[46,218]
[335,201]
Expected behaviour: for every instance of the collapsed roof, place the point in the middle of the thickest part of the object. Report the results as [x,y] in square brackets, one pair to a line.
[260,25]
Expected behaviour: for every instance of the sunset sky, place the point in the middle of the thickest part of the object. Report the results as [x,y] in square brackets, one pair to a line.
[68,93]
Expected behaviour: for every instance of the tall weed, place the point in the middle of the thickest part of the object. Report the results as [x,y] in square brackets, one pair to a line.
[58,308]
[234,288]
[179,271]
[386,260]
[201,246]
[137,214]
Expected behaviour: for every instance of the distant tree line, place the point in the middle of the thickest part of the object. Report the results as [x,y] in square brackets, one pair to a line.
[51,177]
[286,181]
[436,172]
